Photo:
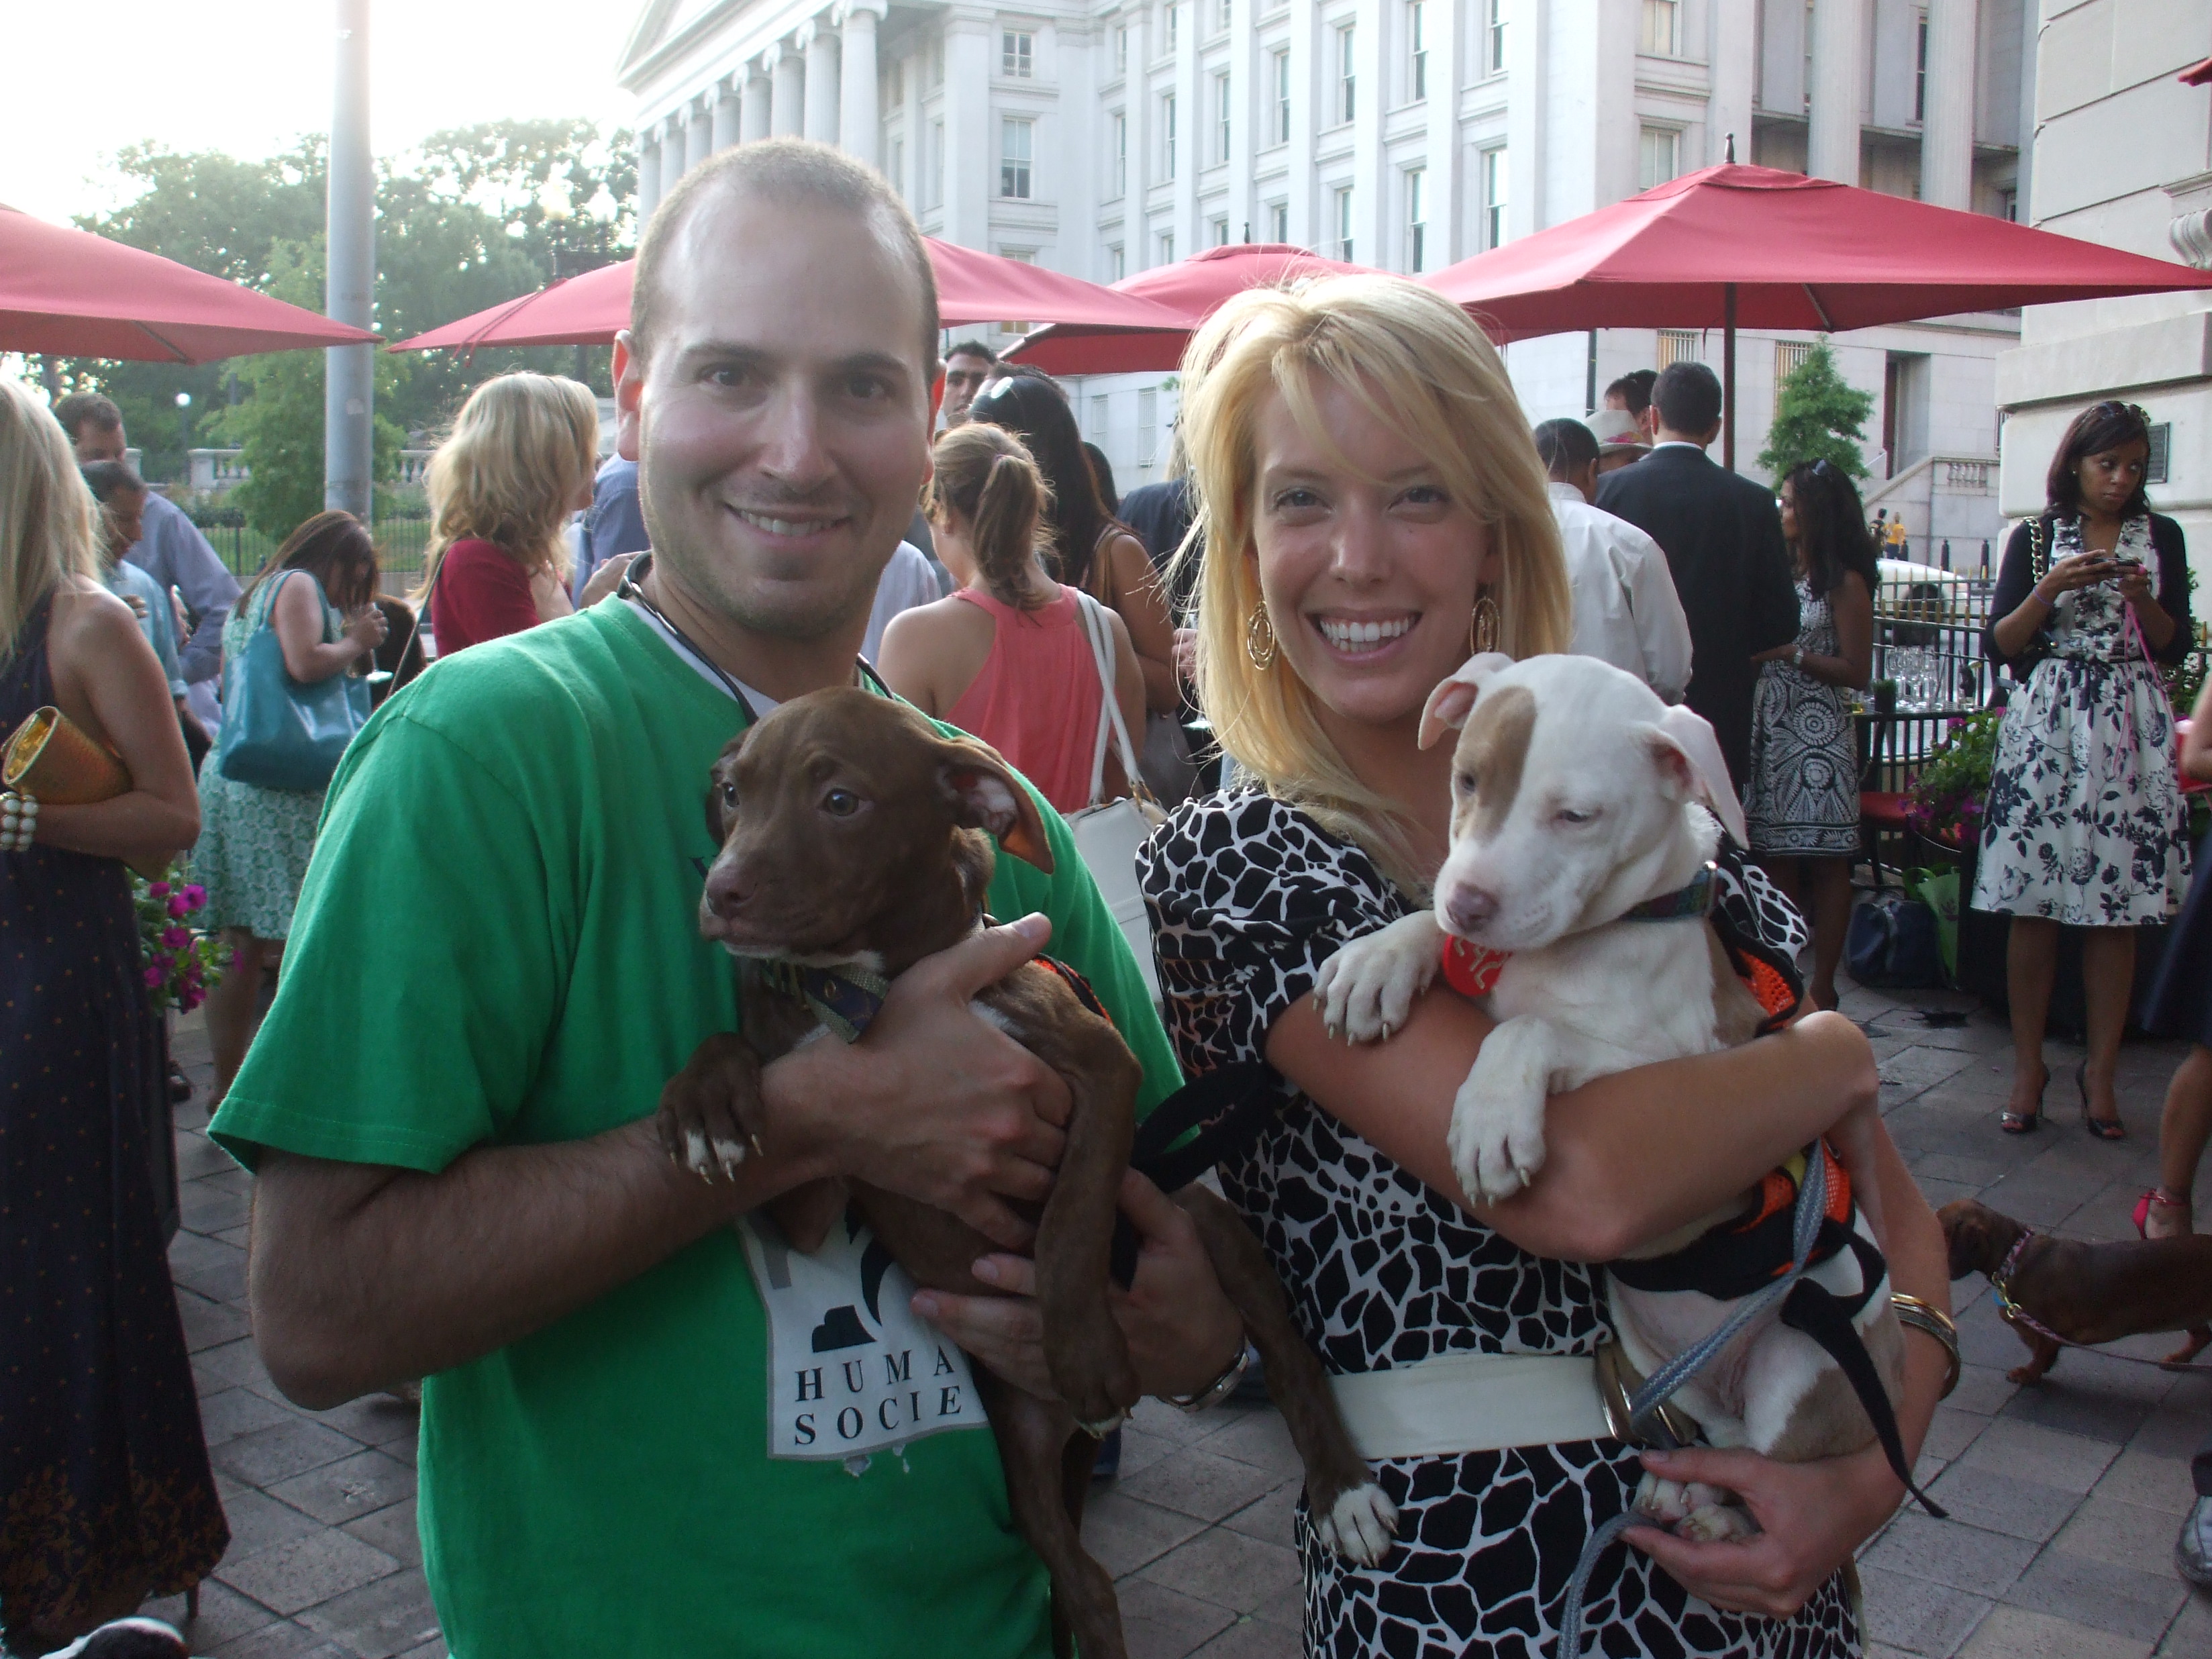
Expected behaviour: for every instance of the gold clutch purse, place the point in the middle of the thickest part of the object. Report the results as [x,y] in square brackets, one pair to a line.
[51,758]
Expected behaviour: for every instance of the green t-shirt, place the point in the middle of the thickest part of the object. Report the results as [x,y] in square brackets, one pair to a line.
[497,943]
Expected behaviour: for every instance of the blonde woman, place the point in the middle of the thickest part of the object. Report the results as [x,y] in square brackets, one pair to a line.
[1374,508]
[1008,657]
[519,462]
[104,1493]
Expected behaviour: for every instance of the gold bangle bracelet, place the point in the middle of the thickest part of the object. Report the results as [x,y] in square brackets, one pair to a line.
[1930,1321]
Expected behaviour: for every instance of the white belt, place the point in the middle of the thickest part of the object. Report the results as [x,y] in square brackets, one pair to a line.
[1466,1402]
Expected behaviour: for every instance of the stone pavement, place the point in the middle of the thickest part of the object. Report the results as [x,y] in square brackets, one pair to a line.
[2064,1499]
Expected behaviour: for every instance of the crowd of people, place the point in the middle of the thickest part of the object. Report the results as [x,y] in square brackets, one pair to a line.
[457,1180]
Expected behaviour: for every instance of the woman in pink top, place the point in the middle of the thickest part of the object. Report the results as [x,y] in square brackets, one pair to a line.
[1006,658]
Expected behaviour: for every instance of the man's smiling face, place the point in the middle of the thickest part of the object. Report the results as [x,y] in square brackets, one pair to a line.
[783,413]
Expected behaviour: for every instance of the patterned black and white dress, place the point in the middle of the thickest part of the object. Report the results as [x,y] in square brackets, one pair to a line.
[1248,897]
[1801,797]
[2083,824]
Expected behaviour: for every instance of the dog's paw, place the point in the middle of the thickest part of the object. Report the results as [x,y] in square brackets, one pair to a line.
[1716,1523]
[1660,1500]
[1104,1426]
[1360,1525]
[1497,1135]
[703,1110]
[1366,990]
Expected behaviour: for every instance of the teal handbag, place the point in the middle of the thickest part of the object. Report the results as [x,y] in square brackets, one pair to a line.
[277,732]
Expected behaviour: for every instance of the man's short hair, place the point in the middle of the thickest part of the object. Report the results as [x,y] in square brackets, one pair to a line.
[1687,395]
[1567,446]
[108,479]
[1634,390]
[82,409]
[972,349]
[791,173]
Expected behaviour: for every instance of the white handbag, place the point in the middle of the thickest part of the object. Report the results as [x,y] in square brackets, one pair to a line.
[1108,833]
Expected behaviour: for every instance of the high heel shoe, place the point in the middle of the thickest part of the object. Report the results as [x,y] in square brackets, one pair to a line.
[2017,1123]
[2104,1128]
[2159,1198]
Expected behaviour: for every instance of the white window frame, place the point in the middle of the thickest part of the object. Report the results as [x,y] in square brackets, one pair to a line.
[1659,29]
[1172,31]
[1493,43]
[1416,51]
[1018,54]
[1679,345]
[1120,155]
[1016,157]
[1167,136]
[1348,79]
[1220,116]
[1658,155]
[1496,177]
[1221,17]
[1165,243]
[1340,221]
[1417,219]
[1279,222]
[1281,82]
[1121,49]
[1219,225]
[1117,263]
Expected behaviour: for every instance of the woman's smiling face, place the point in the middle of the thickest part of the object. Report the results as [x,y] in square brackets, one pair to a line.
[1368,566]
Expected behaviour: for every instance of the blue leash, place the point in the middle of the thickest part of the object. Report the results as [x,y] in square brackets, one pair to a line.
[1812,1205]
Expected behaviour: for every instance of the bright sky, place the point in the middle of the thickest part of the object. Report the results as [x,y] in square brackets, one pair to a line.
[248,76]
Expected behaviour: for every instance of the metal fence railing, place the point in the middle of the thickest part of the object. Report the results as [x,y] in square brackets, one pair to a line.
[401,541]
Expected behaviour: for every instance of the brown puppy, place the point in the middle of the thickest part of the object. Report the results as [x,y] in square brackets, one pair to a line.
[855,836]
[2086,1293]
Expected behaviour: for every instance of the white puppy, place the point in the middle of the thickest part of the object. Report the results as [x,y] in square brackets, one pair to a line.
[1585,817]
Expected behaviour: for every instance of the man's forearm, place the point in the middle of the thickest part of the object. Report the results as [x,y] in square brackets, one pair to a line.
[203,655]
[362,1276]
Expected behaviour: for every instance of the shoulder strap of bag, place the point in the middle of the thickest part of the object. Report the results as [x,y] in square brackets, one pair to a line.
[1100,633]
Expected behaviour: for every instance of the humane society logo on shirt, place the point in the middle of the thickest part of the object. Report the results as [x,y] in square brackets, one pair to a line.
[852,1370]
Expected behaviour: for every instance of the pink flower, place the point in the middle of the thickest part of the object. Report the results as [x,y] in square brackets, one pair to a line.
[195,896]
[154,976]
[191,999]
[159,890]
[177,906]
[176,939]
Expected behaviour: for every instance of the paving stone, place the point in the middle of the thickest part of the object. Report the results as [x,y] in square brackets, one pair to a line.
[1263,1440]
[1140,1451]
[1997,1502]
[1983,1390]
[1163,1624]
[391,1616]
[234,1411]
[1180,1428]
[1229,1569]
[237,1362]
[1272,1518]
[1951,1553]
[392,1531]
[2123,1600]
[2189,1636]
[1917,1616]
[267,1455]
[1255,1638]
[225,1615]
[1197,1482]
[216,1271]
[2119,1534]
[307,1571]
[2137,1477]
[208,1204]
[349,1488]
[1124,1534]
[1971,1171]
[2016,1634]
[2093,1411]
[284,1640]
[1951,1432]
[259,1523]
[2028,1451]
[427,1650]
[208,1324]
[1923,1065]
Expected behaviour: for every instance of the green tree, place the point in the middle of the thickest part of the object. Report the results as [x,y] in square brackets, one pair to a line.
[1818,416]
[280,425]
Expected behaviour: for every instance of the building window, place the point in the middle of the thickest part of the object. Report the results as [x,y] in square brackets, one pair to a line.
[1920,68]
[2161,453]
[1789,355]
[1677,345]
[1120,153]
[1220,15]
[936,164]
[1173,26]
[1148,417]
[1167,247]
[896,149]
[1416,51]
[2008,198]
[1121,50]
[1220,115]
[1659,156]
[1017,54]
[1015,133]
[1217,230]
[1417,219]
[1117,264]
[1662,27]
[1345,84]
[1494,178]
[1494,42]
[937,62]
[1279,127]
[1279,222]
[1168,134]
[1097,432]
[1343,216]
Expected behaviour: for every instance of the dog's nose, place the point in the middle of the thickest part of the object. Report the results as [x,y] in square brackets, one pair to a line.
[1469,908]
[728,892]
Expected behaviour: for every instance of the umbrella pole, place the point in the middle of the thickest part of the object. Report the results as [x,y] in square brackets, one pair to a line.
[1727,377]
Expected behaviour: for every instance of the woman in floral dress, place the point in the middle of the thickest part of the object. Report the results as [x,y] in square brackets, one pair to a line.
[2083,827]
[1801,797]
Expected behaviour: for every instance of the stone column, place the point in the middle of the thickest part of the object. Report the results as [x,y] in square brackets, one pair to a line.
[727,122]
[1947,123]
[1838,89]
[788,113]
[860,124]
[753,120]
[819,43]
[648,176]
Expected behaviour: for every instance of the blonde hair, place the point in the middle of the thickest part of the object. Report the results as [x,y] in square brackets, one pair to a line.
[1416,365]
[522,448]
[986,474]
[45,512]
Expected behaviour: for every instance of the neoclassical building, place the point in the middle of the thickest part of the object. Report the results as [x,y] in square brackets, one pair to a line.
[1103,138]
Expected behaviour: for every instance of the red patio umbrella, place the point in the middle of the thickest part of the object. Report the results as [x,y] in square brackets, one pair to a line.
[72,293]
[1193,288]
[1730,246]
[971,287]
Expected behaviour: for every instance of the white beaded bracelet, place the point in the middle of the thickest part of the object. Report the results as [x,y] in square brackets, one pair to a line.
[19,821]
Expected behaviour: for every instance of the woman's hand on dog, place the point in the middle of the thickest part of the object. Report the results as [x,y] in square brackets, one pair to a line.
[1182,1332]
[933,1103]
[1811,1517]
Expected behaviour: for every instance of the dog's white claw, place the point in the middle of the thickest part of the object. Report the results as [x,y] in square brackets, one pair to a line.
[695,1154]
[730,1154]
[1360,1525]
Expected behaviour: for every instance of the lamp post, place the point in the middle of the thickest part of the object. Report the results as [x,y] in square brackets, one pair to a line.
[349,376]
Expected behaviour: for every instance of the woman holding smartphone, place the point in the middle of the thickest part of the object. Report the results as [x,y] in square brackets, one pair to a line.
[2084,826]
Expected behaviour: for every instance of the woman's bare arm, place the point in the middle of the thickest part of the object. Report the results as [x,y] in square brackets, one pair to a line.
[2197,748]
[1629,1157]
[550,594]
[1144,606]
[108,682]
[1129,691]
[297,616]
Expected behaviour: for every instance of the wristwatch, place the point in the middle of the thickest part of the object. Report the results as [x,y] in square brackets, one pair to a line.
[1797,656]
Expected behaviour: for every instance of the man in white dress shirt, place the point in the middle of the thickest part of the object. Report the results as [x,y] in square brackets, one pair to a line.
[1626,610]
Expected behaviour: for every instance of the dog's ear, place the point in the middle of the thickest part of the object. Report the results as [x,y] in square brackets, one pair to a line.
[1451,703]
[717,780]
[1685,748]
[983,793]
[1965,1236]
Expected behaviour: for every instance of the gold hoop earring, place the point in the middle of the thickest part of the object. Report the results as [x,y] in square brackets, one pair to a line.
[1482,633]
[1260,638]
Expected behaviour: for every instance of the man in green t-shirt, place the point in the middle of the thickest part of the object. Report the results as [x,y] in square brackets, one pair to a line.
[649,1427]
